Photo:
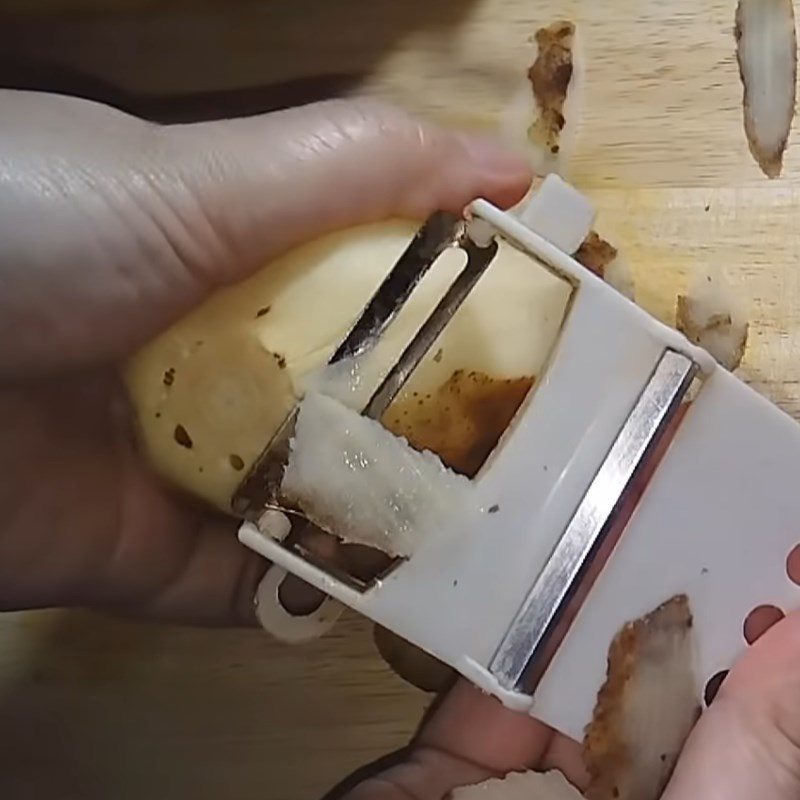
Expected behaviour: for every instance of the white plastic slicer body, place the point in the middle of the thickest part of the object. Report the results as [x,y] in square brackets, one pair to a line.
[715,522]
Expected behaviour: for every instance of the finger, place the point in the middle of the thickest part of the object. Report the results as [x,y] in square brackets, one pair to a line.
[137,223]
[86,522]
[477,728]
[470,738]
[747,745]
[215,584]
[175,564]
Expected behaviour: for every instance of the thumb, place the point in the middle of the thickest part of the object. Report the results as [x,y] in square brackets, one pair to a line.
[268,182]
[747,745]
[137,223]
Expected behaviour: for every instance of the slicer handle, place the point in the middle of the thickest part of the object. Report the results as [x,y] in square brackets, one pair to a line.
[287,627]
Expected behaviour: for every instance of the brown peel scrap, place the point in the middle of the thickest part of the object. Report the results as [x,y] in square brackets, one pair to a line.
[605,261]
[717,333]
[550,77]
[709,317]
[646,708]
[766,49]
[595,253]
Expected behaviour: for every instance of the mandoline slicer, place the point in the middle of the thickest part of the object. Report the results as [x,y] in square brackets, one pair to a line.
[525,601]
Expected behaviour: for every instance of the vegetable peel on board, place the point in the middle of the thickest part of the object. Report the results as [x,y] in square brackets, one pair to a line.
[604,260]
[710,316]
[595,253]
[766,49]
[550,76]
[542,116]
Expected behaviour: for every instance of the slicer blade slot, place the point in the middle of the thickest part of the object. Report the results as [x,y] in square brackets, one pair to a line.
[261,487]
[442,230]
[478,259]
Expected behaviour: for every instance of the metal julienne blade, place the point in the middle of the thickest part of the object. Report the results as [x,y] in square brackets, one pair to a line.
[261,486]
[521,657]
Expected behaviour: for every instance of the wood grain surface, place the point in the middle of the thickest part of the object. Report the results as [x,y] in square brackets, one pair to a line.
[96,708]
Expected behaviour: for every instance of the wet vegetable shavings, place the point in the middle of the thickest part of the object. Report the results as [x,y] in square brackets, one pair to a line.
[766,49]
[521,786]
[550,77]
[356,479]
[646,708]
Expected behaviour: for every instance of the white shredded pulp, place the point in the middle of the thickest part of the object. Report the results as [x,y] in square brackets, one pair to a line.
[366,485]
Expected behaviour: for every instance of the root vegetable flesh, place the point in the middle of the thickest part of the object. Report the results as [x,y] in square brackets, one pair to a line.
[231,371]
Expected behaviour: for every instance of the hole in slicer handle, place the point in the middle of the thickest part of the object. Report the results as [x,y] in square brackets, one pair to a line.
[713,686]
[759,621]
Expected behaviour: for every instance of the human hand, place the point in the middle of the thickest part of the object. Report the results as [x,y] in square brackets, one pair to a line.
[110,229]
[745,747]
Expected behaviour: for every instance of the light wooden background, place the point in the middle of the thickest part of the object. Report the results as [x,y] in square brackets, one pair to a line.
[101,708]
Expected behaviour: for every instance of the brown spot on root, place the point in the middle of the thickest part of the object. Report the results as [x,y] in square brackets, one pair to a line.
[281,360]
[262,311]
[595,254]
[182,437]
[236,462]
[550,76]
[463,420]
[169,377]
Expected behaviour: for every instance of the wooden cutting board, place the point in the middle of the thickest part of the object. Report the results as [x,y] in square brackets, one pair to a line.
[95,708]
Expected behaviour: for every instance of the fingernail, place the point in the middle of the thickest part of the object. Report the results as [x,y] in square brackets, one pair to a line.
[493,156]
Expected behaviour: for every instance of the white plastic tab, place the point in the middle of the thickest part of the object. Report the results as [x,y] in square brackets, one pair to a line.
[558,213]
[275,524]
